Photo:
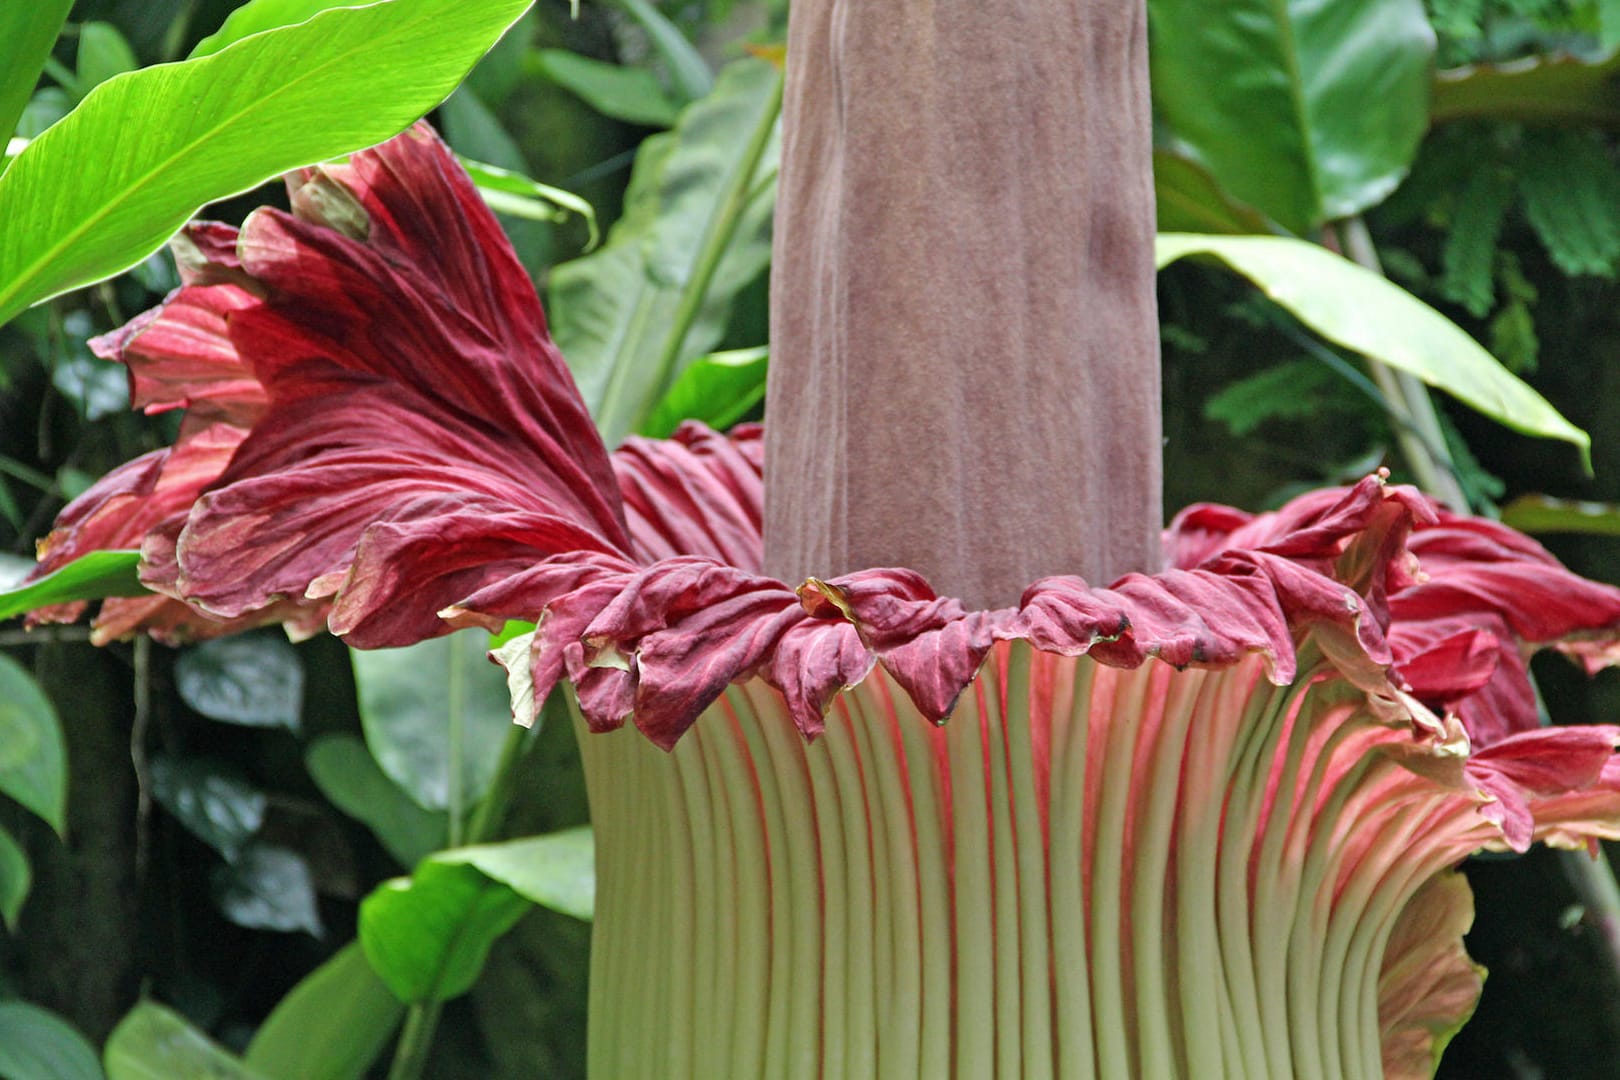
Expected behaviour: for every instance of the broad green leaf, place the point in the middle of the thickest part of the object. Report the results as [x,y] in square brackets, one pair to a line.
[16,877]
[36,1044]
[1547,90]
[1609,24]
[33,758]
[1189,200]
[103,53]
[256,680]
[219,125]
[718,389]
[1307,110]
[268,888]
[430,707]
[427,935]
[557,870]
[708,186]
[213,800]
[1544,514]
[1365,312]
[331,1026]
[29,31]
[155,1043]
[260,15]
[347,774]
[688,71]
[98,574]
[631,94]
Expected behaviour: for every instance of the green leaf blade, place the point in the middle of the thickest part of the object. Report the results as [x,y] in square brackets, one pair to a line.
[33,753]
[155,1043]
[16,878]
[718,389]
[557,870]
[1364,312]
[36,1044]
[257,16]
[428,706]
[29,31]
[1306,110]
[630,94]
[254,680]
[347,78]
[427,936]
[348,775]
[331,1026]
[97,575]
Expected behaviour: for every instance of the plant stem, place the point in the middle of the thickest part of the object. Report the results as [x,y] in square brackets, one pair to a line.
[486,821]
[415,1040]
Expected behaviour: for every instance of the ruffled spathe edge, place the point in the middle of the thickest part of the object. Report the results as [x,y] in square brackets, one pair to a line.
[660,643]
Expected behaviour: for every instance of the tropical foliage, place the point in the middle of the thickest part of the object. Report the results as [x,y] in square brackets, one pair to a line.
[263,858]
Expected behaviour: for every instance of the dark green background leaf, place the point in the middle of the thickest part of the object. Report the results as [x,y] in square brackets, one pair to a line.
[255,680]
[28,29]
[212,799]
[155,1043]
[1542,514]
[1189,200]
[631,94]
[612,311]
[103,53]
[268,888]
[687,69]
[347,774]
[1549,89]
[33,759]
[36,1044]
[1308,110]
[408,699]
[331,1026]
[15,879]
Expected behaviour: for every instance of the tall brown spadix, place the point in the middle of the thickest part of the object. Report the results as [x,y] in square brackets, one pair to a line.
[964,369]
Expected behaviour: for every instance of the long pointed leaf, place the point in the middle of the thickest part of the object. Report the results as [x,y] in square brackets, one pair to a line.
[97,575]
[27,32]
[1363,311]
[169,139]
[331,1026]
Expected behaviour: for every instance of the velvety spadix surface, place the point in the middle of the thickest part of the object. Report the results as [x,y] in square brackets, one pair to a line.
[1199,823]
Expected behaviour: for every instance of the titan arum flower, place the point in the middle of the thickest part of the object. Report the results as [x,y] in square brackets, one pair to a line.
[1201,822]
